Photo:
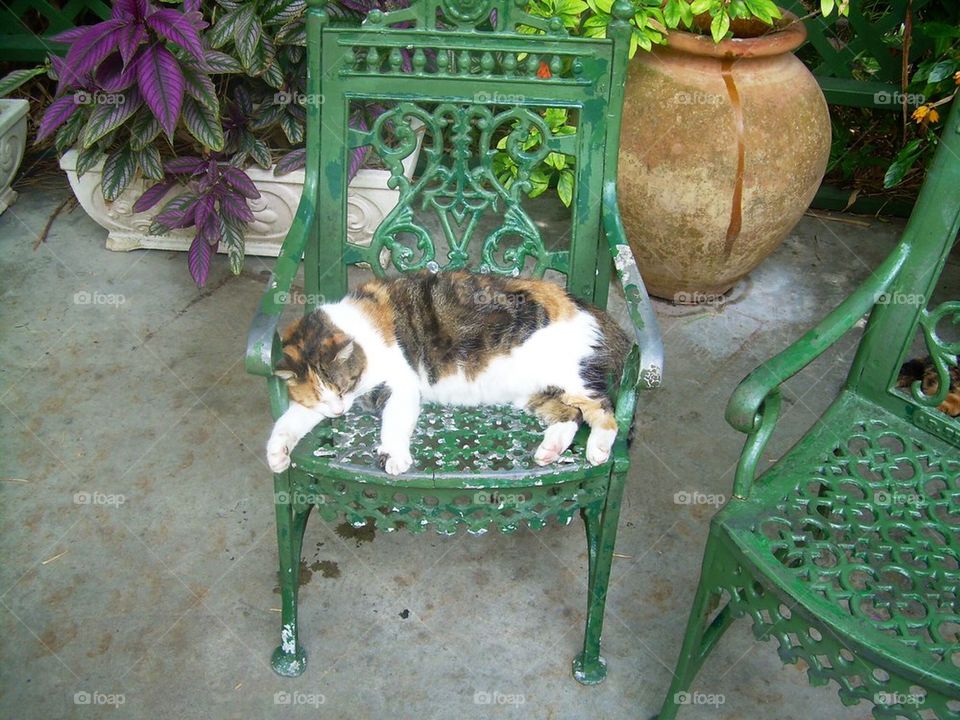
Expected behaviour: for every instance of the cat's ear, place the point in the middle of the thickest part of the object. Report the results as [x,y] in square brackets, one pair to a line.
[345,352]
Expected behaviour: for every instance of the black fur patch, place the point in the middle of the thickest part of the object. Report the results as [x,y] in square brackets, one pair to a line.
[448,321]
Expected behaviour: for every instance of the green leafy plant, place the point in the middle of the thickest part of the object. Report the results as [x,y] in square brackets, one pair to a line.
[17,78]
[936,80]
[556,169]
[880,151]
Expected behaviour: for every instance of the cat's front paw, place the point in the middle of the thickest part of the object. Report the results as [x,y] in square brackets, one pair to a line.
[394,460]
[278,453]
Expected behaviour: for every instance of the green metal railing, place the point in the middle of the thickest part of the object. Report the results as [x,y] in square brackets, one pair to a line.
[20,21]
[857,67]
[836,56]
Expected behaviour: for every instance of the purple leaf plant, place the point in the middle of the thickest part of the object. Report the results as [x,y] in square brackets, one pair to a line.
[214,201]
[157,70]
[130,49]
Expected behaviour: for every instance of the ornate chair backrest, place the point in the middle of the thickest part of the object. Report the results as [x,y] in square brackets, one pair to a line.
[470,79]
[913,317]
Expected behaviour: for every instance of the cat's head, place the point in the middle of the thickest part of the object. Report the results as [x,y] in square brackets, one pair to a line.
[321,365]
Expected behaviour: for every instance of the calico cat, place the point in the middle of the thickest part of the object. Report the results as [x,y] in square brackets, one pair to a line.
[925,371]
[453,338]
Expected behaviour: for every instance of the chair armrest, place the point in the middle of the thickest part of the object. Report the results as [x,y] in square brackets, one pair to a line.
[754,406]
[646,328]
[263,341]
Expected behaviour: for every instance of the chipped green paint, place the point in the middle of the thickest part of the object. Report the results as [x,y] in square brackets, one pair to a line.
[845,550]
[471,79]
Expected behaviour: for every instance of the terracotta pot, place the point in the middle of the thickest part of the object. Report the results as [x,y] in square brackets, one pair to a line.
[722,149]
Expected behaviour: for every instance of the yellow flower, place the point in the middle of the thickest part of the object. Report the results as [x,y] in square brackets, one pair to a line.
[921,113]
[956,77]
[933,116]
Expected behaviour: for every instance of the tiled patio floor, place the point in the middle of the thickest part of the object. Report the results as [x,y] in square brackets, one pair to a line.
[161,592]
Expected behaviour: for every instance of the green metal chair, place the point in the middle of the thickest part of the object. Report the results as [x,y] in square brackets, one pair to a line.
[460,72]
[847,550]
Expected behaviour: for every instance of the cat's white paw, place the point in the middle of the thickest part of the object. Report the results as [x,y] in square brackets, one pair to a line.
[556,439]
[278,452]
[395,460]
[598,446]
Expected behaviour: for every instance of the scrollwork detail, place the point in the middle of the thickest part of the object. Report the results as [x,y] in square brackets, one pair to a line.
[459,186]
[943,352]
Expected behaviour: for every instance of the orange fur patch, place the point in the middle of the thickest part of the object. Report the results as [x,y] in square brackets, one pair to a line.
[552,298]
[305,393]
[594,410]
[379,309]
[951,406]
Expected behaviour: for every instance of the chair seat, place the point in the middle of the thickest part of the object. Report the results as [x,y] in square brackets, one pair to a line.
[859,526]
[473,467]
[458,444]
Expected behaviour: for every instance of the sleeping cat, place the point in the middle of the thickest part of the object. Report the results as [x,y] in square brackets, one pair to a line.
[453,338]
[925,371]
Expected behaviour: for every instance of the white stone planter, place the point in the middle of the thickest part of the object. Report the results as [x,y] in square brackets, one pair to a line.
[367,204]
[13,141]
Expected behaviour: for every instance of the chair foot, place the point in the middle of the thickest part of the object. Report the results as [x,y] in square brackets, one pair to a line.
[589,673]
[289,664]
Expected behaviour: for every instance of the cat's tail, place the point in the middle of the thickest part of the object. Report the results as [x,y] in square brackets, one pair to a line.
[619,345]
[604,368]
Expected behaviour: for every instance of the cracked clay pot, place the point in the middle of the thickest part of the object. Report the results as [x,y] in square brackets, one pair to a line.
[722,148]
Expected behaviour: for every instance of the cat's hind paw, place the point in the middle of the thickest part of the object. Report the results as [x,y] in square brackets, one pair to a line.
[556,440]
[394,461]
[599,445]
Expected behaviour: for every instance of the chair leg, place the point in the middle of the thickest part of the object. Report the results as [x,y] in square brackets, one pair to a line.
[289,659]
[699,638]
[588,667]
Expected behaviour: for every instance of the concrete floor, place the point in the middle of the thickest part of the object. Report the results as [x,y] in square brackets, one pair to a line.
[162,592]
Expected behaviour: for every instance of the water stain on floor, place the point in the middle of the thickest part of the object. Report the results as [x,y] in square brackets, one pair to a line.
[362,534]
[305,575]
[327,568]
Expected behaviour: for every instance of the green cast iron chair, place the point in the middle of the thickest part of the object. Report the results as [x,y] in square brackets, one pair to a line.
[847,550]
[461,74]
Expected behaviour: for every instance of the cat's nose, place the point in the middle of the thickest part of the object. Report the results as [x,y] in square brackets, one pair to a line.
[336,407]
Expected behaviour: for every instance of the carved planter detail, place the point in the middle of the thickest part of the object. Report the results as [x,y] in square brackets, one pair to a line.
[13,141]
[368,203]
